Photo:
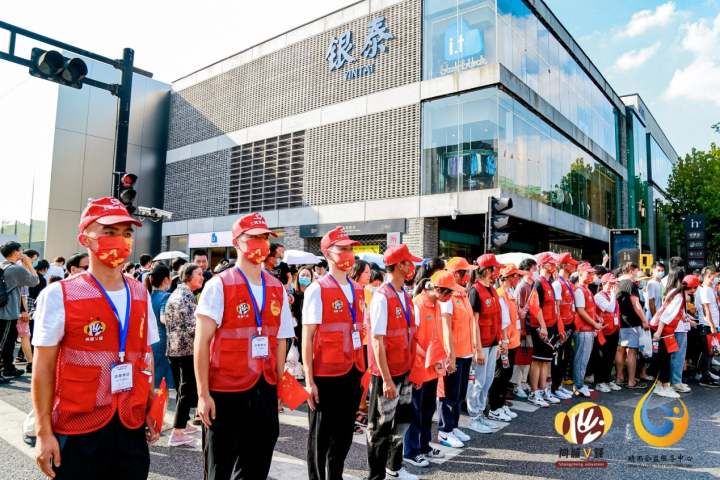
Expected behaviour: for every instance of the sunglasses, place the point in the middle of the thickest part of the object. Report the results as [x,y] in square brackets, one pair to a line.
[443,291]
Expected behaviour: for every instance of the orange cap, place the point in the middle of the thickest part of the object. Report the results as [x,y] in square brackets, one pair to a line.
[510,270]
[456,264]
[445,279]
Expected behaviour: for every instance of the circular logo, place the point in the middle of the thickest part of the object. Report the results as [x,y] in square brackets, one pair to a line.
[584,423]
[243,309]
[337,306]
[398,311]
[671,430]
[275,307]
[94,328]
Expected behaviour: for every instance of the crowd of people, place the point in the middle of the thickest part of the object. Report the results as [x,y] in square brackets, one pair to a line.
[379,348]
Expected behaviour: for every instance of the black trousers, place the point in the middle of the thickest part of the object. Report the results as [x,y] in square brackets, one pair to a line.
[419,433]
[498,388]
[388,420]
[8,336]
[113,452]
[561,363]
[456,386]
[184,375]
[603,358]
[240,442]
[332,425]
[661,363]
[705,354]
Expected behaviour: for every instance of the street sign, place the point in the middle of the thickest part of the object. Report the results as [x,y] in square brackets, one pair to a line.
[646,261]
[695,240]
[624,246]
[393,239]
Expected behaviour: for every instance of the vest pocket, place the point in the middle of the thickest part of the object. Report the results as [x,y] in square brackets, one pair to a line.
[234,353]
[78,388]
[139,395]
[332,348]
[396,350]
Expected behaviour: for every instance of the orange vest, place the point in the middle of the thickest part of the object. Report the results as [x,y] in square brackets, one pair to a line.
[232,368]
[83,402]
[580,324]
[611,320]
[400,335]
[547,307]
[462,318]
[490,315]
[515,327]
[429,349]
[567,302]
[333,352]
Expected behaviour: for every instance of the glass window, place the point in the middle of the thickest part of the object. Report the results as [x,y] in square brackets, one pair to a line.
[661,165]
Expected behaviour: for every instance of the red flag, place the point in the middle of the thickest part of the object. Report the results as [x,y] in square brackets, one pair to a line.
[290,392]
[158,406]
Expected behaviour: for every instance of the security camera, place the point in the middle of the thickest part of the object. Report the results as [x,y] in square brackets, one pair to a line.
[153,214]
[454,213]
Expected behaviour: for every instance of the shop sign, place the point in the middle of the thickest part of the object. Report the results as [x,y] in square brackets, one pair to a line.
[372,227]
[366,249]
[393,239]
[210,239]
[340,51]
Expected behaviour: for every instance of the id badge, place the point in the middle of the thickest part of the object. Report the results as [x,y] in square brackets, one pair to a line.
[616,320]
[260,347]
[121,378]
[357,342]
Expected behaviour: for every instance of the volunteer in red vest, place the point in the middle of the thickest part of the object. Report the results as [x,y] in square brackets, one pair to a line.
[92,384]
[565,298]
[243,318]
[458,337]
[545,331]
[587,324]
[607,339]
[392,353]
[488,336]
[664,343]
[333,312]
[430,363]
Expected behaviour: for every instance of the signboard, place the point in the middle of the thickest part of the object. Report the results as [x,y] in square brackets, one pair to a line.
[340,51]
[210,239]
[373,227]
[624,246]
[393,239]
[366,249]
[695,240]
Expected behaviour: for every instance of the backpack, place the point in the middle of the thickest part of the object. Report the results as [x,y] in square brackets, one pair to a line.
[4,293]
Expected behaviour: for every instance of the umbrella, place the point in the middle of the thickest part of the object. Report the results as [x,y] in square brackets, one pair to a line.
[372,257]
[170,255]
[515,258]
[299,257]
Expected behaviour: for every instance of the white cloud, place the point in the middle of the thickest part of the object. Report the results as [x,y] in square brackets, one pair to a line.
[635,58]
[700,80]
[644,20]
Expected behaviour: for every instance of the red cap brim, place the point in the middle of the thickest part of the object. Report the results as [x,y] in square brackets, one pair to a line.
[115,219]
[345,243]
[258,231]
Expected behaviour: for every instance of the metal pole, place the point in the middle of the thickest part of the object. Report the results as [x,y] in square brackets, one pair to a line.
[123,118]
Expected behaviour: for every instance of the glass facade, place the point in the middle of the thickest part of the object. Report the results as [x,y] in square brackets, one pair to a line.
[638,172]
[485,138]
[661,166]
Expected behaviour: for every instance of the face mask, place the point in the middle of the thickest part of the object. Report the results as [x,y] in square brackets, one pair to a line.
[112,251]
[304,281]
[659,275]
[344,260]
[411,273]
[257,250]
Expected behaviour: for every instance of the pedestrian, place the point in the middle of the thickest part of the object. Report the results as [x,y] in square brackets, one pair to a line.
[391,355]
[654,289]
[303,279]
[92,385]
[146,264]
[242,321]
[523,359]
[587,324]
[320,268]
[606,342]
[632,323]
[361,273]
[430,363]
[200,258]
[180,324]
[57,268]
[176,264]
[157,282]
[706,303]
[333,312]
[565,298]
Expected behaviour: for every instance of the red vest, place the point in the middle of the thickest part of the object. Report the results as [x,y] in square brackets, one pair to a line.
[669,328]
[399,337]
[580,324]
[567,301]
[232,368]
[333,352]
[611,320]
[490,315]
[547,307]
[83,402]
[429,348]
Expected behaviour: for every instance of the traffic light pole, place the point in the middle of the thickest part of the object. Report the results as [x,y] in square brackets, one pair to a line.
[123,118]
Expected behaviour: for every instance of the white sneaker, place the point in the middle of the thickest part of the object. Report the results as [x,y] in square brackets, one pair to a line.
[559,393]
[476,425]
[449,440]
[666,392]
[460,435]
[584,391]
[536,399]
[681,388]
[520,392]
[401,474]
[418,461]
[181,439]
[549,397]
[716,362]
[603,387]
[614,386]
[527,388]
[488,423]
[499,415]
[509,412]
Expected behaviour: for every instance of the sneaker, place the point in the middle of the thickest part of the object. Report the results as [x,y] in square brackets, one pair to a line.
[584,391]
[434,453]
[509,412]
[499,415]
[681,388]
[614,386]
[520,393]
[401,474]
[713,376]
[460,435]
[716,362]
[449,440]
[176,440]
[30,440]
[709,382]
[559,393]
[477,425]
[666,392]
[603,387]
[14,373]
[537,400]
[418,461]
[549,397]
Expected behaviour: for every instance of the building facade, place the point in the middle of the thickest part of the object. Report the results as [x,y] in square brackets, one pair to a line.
[403,117]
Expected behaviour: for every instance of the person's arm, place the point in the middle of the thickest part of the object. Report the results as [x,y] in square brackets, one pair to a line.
[639,310]
[308,341]
[378,325]
[27,277]
[504,325]
[204,331]
[669,314]
[705,297]
[43,393]
[582,312]
[535,308]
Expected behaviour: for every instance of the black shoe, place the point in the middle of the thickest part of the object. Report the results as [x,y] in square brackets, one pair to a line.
[709,382]
[14,373]
[3,380]
[29,440]
[28,369]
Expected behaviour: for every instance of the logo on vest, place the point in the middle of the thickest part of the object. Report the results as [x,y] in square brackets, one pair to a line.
[94,330]
[398,311]
[488,302]
[337,306]
[243,309]
[275,307]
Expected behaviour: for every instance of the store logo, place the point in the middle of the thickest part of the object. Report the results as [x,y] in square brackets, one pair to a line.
[339,52]
[213,238]
[464,48]
[676,420]
[584,423]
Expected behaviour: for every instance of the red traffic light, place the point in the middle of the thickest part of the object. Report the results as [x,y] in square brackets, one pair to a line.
[128,180]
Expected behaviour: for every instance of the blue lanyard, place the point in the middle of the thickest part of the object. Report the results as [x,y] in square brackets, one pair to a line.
[258,311]
[351,307]
[123,327]
[405,309]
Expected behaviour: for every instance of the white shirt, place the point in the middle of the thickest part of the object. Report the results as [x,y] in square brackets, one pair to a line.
[671,310]
[212,304]
[417,314]
[605,304]
[446,307]
[653,292]
[50,316]
[312,304]
[557,288]
[706,296]
[504,314]
[378,312]
[56,271]
[579,298]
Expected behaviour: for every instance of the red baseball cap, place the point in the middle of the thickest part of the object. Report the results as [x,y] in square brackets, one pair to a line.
[488,260]
[566,258]
[106,211]
[252,224]
[456,264]
[691,281]
[585,267]
[336,236]
[546,257]
[399,253]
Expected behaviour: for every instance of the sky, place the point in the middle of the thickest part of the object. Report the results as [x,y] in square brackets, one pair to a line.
[667,51]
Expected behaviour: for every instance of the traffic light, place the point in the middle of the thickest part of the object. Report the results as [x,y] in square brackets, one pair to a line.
[51,65]
[127,193]
[497,223]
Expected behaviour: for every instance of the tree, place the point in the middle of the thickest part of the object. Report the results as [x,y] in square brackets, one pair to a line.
[694,187]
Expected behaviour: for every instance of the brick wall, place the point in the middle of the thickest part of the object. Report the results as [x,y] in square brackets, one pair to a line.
[422,236]
[199,186]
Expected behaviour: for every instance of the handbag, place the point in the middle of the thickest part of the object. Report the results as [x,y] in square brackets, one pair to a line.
[671,344]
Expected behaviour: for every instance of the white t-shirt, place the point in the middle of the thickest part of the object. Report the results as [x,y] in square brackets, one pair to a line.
[706,296]
[212,304]
[446,307]
[312,304]
[671,310]
[378,312]
[653,292]
[55,271]
[557,288]
[579,298]
[50,316]
[504,314]
[603,303]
